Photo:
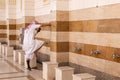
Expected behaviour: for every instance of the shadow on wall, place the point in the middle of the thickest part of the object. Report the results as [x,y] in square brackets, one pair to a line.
[42,57]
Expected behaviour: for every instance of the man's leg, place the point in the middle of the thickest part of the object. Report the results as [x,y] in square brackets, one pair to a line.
[28,64]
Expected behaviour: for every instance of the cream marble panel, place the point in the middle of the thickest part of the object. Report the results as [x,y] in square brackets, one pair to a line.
[2,14]
[62,36]
[44,34]
[3,31]
[53,36]
[13,32]
[64,3]
[47,17]
[59,57]
[63,57]
[103,12]
[53,57]
[82,4]
[103,39]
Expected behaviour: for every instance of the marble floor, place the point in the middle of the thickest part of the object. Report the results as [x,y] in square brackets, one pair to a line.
[9,70]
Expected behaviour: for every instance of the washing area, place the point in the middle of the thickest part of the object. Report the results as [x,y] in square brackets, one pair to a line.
[82,42]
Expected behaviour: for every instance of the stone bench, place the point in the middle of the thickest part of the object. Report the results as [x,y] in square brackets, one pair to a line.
[3,49]
[83,76]
[0,48]
[49,70]
[64,73]
[15,55]
[21,59]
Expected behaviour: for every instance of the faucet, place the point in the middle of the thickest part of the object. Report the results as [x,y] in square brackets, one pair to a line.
[116,56]
[95,52]
[78,49]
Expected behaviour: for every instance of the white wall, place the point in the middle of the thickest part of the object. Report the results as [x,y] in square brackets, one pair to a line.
[81,4]
[42,9]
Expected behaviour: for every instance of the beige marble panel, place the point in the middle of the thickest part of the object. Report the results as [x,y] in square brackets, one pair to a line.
[103,39]
[59,57]
[65,5]
[102,12]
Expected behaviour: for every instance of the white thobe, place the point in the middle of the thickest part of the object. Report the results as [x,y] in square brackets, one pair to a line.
[30,45]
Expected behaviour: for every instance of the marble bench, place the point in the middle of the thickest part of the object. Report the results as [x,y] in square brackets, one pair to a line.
[83,76]
[64,73]
[49,70]
[15,55]
[3,49]
[21,57]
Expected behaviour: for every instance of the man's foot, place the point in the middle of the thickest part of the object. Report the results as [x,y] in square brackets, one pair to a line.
[34,67]
[29,69]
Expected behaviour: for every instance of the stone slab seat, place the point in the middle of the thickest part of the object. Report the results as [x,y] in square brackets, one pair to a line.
[64,73]
[0,48]
[83,76]
[49,70]
[15,55]
[3,49]
[21,57]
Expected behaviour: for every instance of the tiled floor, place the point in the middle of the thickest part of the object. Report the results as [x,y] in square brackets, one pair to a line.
[9,70]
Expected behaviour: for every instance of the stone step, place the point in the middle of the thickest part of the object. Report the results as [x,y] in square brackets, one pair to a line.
[83,76]
[64,73]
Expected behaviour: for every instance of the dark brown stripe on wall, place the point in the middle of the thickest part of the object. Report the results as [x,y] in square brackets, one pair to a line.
[59,26]
[89,50]
[13,37]
[3,26]
[3,35]
[62,25]
[12,27]
[101,26]
[59,46]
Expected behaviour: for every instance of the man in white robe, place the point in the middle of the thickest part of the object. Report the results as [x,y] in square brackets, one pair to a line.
[30,45]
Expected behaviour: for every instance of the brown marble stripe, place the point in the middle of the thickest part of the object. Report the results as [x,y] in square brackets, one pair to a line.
[15,26]
[3,35]
[3,26]
[59,46]
[105,51]
[13,37]
[62,25]
[59,26]
[101,26]
[12,27]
